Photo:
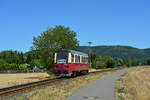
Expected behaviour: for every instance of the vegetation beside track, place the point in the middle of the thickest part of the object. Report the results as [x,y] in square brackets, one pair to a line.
[61,90]
[134,85]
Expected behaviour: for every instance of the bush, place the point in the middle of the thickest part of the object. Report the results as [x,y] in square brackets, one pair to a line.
[23,67]
[99,62]
[3,63]
[5,66]
[106,62]
[11,67]
[110,62]
[148,62]
[37,63]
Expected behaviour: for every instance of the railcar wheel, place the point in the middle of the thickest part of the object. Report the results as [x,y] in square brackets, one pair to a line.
[87,71]
[84,72]
[74,74]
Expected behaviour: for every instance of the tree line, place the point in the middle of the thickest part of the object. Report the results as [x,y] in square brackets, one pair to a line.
[12,60]
[55,38]
[110,62]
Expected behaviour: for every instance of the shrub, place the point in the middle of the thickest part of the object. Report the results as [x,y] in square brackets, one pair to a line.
[23,67]
[37,63]
[3,64]
[13,67]
[99,62]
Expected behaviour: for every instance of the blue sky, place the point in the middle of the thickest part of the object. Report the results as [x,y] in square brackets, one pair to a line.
[104,22]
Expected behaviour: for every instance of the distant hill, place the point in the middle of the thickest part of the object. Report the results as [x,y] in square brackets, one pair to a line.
[117,51]
[147,52]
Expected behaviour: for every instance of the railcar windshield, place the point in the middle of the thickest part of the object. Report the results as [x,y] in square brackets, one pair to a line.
[62,58]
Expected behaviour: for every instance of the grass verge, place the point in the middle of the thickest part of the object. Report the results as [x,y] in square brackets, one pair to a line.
[134,85]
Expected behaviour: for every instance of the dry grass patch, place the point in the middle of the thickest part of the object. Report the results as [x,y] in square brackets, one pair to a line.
[135,85]
[60,91]
[94,70]
[20,78]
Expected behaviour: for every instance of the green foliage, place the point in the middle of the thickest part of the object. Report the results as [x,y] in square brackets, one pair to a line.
[110,62]
[12,57]
[3,64]
[12,60]
[31,55]
[12,67]
[23,66]
[104,62]
[148,61]
[120,90]
[52,39]
[99,63]
[37,63]
[119,62]
[92,57]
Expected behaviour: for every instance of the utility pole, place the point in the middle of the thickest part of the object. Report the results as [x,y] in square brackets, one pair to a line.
[90,43]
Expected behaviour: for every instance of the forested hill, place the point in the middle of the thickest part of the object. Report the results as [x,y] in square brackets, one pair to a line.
[117,51]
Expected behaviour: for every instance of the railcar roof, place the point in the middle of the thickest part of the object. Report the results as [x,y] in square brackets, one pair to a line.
[75,52]
[79,53]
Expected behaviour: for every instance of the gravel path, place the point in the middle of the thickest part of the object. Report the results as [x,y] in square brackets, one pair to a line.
[101,89]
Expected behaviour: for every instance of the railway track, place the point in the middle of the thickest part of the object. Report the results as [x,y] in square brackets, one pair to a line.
[21,88]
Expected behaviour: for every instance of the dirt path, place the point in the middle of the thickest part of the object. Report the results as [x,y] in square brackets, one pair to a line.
[101,89]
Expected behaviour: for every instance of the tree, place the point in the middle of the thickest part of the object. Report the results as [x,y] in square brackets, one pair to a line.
[119,62]
[3,64]
[31,55]
[12,57]
[92,58]
[110,62]
[99,62]
[36,62]
[52,39]
[129,62]
[148,62]
[21,58]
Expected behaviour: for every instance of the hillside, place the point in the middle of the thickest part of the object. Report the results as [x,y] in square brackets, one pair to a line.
[117,51]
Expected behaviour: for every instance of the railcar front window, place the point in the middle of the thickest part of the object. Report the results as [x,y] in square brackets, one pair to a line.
[62,58]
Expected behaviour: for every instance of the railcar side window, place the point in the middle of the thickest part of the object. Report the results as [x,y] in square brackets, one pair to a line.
[79,59]
[82,59]
[76,58]
[62,57]
[72,58]
[86,59]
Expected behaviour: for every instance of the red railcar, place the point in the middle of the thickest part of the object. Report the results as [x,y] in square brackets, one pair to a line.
[70,63]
